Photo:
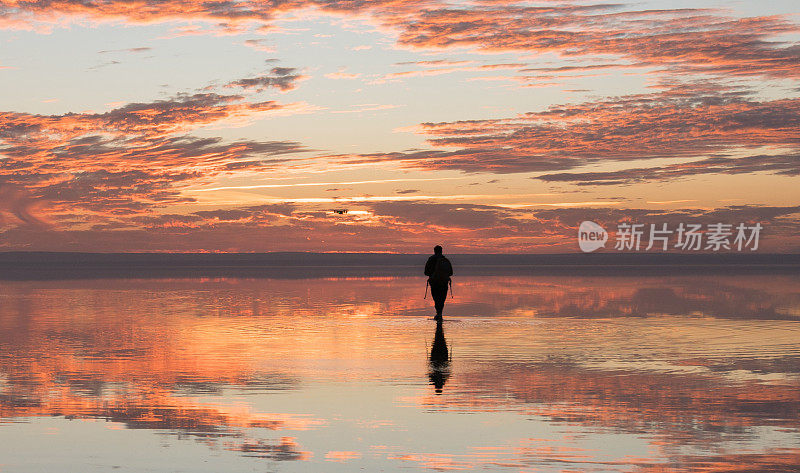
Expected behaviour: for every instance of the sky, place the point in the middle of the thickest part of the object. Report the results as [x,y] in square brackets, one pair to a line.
[487,126]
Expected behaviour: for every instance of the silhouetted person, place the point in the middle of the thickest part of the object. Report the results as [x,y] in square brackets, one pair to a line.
[440,360]
[438,269]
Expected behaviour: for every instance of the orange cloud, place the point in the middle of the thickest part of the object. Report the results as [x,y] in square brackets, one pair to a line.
[392,226]
[682,120]
[282,78]
[131,158]
[674,40]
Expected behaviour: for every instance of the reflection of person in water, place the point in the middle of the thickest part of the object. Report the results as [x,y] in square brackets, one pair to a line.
[440,360]
[438,269]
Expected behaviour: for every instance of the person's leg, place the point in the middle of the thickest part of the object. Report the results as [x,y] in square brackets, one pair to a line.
[437,298]
[439,305]
[439,293]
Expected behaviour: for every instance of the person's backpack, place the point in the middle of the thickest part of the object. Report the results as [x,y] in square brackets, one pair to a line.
[442,270]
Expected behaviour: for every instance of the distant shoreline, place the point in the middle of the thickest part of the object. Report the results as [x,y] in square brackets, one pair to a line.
[68,265]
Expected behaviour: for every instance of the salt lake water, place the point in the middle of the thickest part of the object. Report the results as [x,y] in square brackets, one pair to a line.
[545,373]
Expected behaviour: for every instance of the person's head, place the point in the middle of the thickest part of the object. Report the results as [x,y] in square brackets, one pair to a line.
[437,250]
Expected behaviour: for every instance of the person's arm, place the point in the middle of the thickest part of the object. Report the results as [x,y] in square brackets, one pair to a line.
[429,266]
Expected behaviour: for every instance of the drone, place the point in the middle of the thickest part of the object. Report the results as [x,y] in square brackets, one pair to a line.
[339,211]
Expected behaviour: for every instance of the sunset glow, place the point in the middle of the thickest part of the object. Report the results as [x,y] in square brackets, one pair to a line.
[491,126]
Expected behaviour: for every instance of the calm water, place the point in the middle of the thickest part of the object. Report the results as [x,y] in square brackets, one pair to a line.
[529,373]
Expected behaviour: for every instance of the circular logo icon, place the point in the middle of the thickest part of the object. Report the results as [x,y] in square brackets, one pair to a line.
[591,236]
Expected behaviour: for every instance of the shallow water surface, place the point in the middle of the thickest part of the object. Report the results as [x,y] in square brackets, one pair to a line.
[527,373]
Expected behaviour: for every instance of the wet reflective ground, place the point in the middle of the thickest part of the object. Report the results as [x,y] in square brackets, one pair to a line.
[527,373]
